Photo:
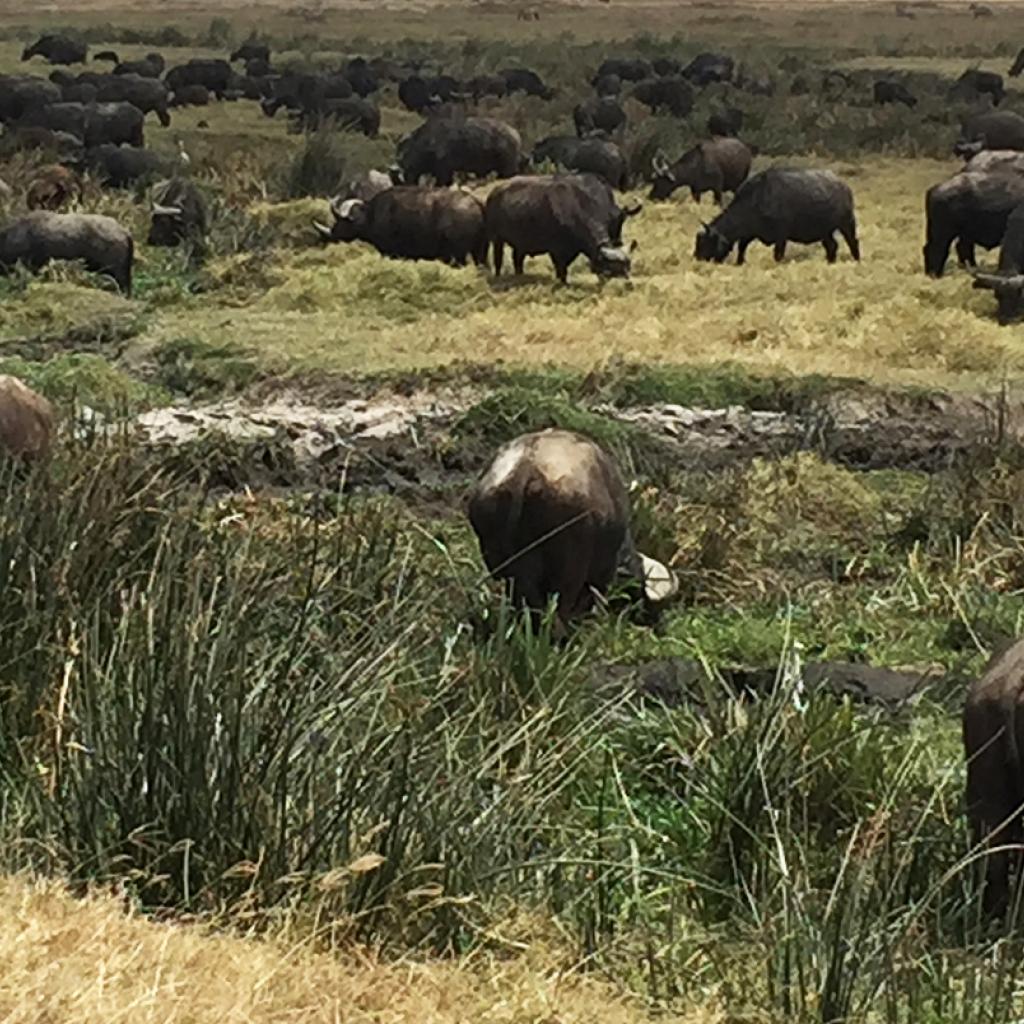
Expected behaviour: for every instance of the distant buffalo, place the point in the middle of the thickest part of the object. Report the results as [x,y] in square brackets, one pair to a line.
[782,205]
[26,420]
[561,216]
[444,147]
[594,156]
[526,81]
[215,75]
[974,83]
[993,129]
[95,123]
[888,91]
[352,114]
[57,49]
[628,69]
[21,94]
[251,50]
[707,68]
[665,95]
[970,208]
[151,66]
[598,114]
[194,95]
[716,166]
[551,515]
[99,242]
[123,166]
[413,222]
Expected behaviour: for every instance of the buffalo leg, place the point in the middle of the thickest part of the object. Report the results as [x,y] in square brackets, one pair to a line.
[779,251]
[741,251]
[561,269]
[695,195]
[518,259]
[718,196]
[831,248]
[849,233]
[499,256]
[965,252]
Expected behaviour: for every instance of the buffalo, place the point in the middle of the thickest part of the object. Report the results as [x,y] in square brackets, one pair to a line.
[486,85]
[993,734]
[107,55]
[193,95]
[26,420]
[716,166]
[216,75]
[151,66]
[598,114]
[562,216]
[671,95]
[551,514]
[251,50]
[443,147]
[148,94]
[608,85]
[57,49]
[630,69]
[526,81]
[887,91]
[413,222]
[593,156]
[353,114]
[666,67]
[707,68]
[99,242]
[994,129]
[179,214]
[783,205]
[60,146]
[725,123]
[95,123]
[973,84]
[122,166]
[19,95]
[970,208]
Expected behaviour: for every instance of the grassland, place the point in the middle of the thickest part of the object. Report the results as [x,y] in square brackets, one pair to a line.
[288,704]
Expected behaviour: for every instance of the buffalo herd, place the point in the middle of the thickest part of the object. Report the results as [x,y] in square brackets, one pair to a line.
[551,512]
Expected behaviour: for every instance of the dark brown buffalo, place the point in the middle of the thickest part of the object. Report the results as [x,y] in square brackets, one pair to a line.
[413,222]
[443,147]
[151,66]
[716,166]
[95,123]
[665,95]
[99,242]
[551,514]
[251,50]
[590,156]
[707,68]
[216,75]
[628,69]
[887,91]
[21,94]
[1008,281]
[993,129]
[57,49]
[179,214]
[993,731]
[782,205]
[973,84]
[971,208]
[598,114]
[562,216]
[26,420]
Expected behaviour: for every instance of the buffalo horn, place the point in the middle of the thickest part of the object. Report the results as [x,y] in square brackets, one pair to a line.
[632,211]
[322,230]
[166,211]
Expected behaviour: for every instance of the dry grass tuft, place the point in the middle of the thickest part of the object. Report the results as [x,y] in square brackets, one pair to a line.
[78,961]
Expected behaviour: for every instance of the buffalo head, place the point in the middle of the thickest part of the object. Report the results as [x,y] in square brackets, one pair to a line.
[712,245]
[611,261]
[168,226]
[663,183]
[1009,291]
[350,217]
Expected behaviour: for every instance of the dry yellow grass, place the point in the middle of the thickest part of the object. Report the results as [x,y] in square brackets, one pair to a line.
[70,961]
[346,309]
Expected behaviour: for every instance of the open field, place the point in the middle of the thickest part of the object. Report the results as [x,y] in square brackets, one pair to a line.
[256,682]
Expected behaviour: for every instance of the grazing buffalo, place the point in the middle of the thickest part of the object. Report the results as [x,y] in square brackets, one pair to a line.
[551,515]
[179,214]
[352,114]
[633,69]
[973,84]
[994,129]
[486,85]
[783,205]
[413,222]
[888,91]
[216,75]
[716,166]
[1008,281]
[99,242]
[525,81]
[415,94]
[19,95]
[443,147]
[562,216]
[251,50]
[725,123]
[1003,161]
[150,95]
[593,156]
[59,146]
[305,92]
[993,732]
[598,114]
[970,208]
[122,166]
[151,66]
[95,123]
[57,50]
[671,95]
[53,188]
[26,420]
[666,67]
[194,95]
[361,77]
[707,68]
